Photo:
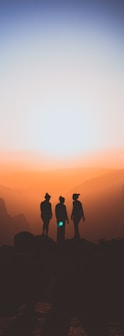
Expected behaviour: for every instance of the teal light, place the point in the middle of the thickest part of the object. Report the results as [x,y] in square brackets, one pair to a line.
[60,224]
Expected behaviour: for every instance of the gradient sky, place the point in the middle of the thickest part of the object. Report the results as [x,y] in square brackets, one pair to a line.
[61,77]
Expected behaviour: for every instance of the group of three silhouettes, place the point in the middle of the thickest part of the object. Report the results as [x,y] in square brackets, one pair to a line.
[61,215]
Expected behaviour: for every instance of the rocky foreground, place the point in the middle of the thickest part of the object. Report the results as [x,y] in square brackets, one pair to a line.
[46,289]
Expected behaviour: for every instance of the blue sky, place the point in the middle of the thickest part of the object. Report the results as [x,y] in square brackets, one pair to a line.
[62,76]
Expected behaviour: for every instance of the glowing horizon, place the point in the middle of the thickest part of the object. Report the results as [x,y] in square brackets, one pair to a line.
[36,161]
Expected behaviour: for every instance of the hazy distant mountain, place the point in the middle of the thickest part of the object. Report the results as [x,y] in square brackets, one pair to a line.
[3,211]
[105,181]
[103,205]
[9,225]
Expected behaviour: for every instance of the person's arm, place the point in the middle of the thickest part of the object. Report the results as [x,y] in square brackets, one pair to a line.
[72,212]
[66,215]
[82,211]
[50,211]
[41,208]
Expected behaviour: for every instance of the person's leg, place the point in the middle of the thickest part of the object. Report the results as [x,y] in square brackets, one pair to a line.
[47,227]
[76,230]
[43,228]
[57,234]
[64,232]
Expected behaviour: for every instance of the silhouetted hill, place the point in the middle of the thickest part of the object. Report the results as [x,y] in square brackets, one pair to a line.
[78,277]
[9,225]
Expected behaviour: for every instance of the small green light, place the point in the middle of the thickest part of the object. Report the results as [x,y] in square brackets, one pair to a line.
[60,224]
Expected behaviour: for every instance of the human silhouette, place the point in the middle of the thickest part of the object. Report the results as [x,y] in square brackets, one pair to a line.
[62,218]
[46,213]
[77,214]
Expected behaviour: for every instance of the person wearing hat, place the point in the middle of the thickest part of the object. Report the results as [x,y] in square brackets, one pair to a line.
[46,213]
[62,218]
[77,214]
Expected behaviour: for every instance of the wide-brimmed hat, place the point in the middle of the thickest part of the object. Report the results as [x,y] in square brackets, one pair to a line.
[75,196]
[47,195]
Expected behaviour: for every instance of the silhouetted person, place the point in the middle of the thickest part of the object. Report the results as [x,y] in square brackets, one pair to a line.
[62,218]
[77,214]
[46,213]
